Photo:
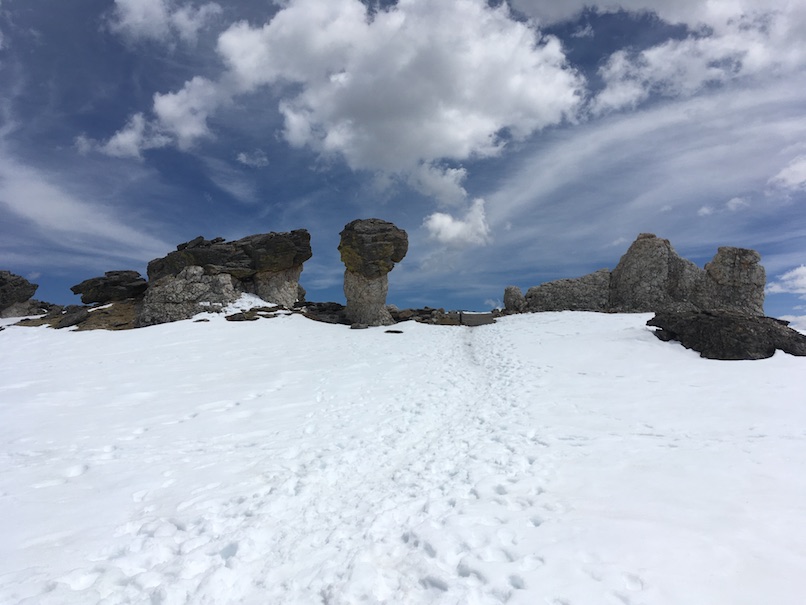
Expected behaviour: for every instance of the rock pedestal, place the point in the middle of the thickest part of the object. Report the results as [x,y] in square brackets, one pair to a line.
[369,250]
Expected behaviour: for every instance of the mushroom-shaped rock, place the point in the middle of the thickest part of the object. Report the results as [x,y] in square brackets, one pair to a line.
[369,250]
[734,280]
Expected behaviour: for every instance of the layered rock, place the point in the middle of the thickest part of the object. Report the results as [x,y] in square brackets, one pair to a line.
[728,335]
[652,277]
[369,250]
[268,264]
[14,290]
[587,293]
[113,286]
[191,291]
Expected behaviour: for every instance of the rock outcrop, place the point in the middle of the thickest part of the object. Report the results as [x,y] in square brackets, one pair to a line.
[652,277]
[514,301]
[191,291]
[369,250]
[14,289]
[268,264]
[733,280]
[587,293]
[728,335]
[113,286]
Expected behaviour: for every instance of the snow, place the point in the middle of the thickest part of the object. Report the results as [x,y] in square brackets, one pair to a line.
[553,458]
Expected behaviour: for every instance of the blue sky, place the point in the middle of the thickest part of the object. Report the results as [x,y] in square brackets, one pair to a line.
[515,142]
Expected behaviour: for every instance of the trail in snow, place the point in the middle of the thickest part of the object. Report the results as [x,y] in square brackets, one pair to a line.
[560,458]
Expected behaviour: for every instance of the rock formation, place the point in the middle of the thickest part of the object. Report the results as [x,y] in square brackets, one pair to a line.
[369,250]
[14,290]
[652,277]
[514,301]
[734,280]
[268,264]
[191,291]
[728,335]
[587,293]
[113,286]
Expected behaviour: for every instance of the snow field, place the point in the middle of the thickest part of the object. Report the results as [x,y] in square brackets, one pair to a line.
[558,458]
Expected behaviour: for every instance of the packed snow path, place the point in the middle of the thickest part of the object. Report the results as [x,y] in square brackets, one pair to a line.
[559,458]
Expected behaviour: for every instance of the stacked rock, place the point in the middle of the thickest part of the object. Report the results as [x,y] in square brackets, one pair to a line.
[369,250]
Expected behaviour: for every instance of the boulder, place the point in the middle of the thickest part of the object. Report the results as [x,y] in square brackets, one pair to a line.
[14,289]
[369,250]
[728,335]
[191,291]
[514,301]
[651,276]
[371,247]
[588,293]
[28,308]
[268,264]
[113,286]
[733,280]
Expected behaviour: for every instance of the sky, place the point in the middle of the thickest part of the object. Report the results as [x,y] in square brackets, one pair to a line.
[516,142]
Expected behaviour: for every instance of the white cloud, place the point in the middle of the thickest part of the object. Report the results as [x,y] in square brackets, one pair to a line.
[158,20]
[705,211]
[69,220]
[443,184]
[737,203]
[791,282]
[253,159]
[421,81]
[792,177]
[129,142]
[472,229]
[183,114]
[796,322]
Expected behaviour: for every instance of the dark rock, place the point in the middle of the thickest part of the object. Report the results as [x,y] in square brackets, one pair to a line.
[729,335]
[476,319]
[243,258]
[113,286]
[72,316]
[588,293]
[369,250]
[393,331]
[371,247]
[242,317]
[327,312]
[358,326]
[14,289]
[29,308]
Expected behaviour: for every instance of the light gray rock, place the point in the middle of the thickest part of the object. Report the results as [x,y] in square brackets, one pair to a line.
[173,298]
[734,280]
[587,293]
[366,299]
[279,287]
[651,276]
[514,301]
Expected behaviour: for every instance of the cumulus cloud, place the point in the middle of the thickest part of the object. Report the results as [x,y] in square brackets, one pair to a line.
[792,177]
[737,203]
[470,230]
[791,282]
[183,114]
[130,141]
[420,81]
[444,184]
[159,20]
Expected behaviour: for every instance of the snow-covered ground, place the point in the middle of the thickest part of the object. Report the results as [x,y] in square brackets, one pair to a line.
[555,458]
